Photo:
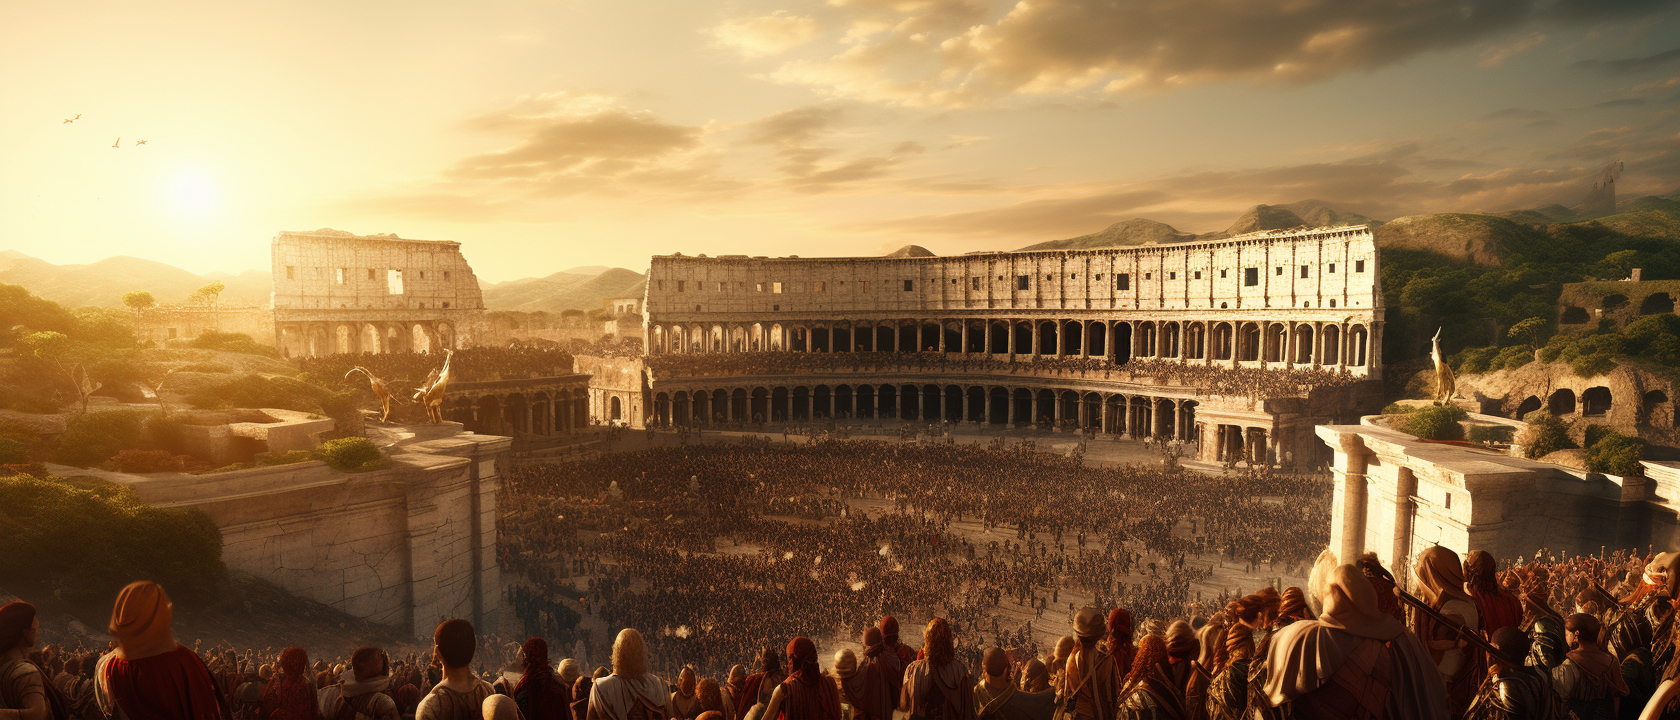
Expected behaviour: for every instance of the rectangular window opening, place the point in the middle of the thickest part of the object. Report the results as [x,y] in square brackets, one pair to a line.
[394,282]
[291,272]
[1332,268]
[909,286]
[1023,282]
[1359,266]
[776,288]
[1123,281]
[1251,276]
[1303,272]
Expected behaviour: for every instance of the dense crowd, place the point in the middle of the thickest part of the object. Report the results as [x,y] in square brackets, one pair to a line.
[1218,378]
[705,547]
[473,364]
[1548,638]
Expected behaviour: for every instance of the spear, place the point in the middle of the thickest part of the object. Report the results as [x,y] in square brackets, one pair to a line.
[1472,636]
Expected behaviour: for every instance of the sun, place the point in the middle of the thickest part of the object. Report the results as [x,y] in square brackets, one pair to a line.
[194,194]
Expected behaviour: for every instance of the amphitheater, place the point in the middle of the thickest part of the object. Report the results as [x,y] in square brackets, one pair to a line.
[1238,346]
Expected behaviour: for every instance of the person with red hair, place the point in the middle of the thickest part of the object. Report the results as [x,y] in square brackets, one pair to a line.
[1119,644]
[1148,692]
[539,694]
[808,693]
[292,690]
[1496,607]
[150,676]
[937,687]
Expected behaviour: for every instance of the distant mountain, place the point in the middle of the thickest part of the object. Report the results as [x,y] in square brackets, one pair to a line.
[910,251]
[565,290]
[1317,213]
[104,283]
[1136,231]
[590,270]
[1265,217]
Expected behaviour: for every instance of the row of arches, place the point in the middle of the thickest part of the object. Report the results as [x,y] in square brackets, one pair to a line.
[1653,304]
[1134,415]
[1305,343]
[538,413]
[315,339]
[1654,409]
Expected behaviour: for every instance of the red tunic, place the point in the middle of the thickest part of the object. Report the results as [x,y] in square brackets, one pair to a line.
[173,686]
[1498,611]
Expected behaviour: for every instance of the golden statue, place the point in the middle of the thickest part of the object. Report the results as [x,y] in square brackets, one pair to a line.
[431,395]
[1445,387]
[378,387]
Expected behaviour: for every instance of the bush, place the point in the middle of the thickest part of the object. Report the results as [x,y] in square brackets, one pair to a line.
[92,438]
[258,391]
[1545,434]
[1492,433]
[148,461]
[1511,358]
[1440,422]
[1615,453]
[352,454]
[230,342]
[32,469]
[1476,360]
[1398,409]
[86,539]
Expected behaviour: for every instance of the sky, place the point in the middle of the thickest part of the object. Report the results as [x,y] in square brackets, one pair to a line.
[549,135]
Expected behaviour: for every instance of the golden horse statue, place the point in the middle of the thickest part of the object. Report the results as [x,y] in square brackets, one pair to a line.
[430,396]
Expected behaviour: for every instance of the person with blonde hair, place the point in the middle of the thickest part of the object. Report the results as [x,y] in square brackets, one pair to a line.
[630,692]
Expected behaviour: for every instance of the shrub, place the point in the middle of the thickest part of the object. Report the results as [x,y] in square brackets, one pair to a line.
[1476,360]
[1511,358]
[1545,434]
[352,454]
[1398,409]
[87,538]
[1492,433]
[93,438]
[148,461]
[1615,453]
[230,342]
[257,391]
[1440,422]
[34,469]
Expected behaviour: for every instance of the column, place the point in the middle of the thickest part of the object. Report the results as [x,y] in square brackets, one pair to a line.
[965,344]
[986,400]
[1347,527]
[1009,403]
[810,403]
[986,337]
[1056,400]
[1342,359]
[941,335]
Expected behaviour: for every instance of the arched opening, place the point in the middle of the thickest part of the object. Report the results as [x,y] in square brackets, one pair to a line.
[1000,339]
[1528,405]
[1122,342]
[1656,304]
[1091,412]
[738,407]
[1023,406]
[819,339]
[1595,401]
[1658,411]
[778,338]
[953,337]
[907,339]
[1562,402]
[999,414]
[976,411]
[760,405]
[884,340]
[1195,341]
[866,402]
[517,414]
[843,402]
[911,404]
[615,409]
[719,407]
[1332,353]
[841,339]
[976,338]
[371,341]
[1044,409]
[1146,339]
[1222,341]
[1166,418]
[1275,342]
[779,405]
[421,342]
[953,404]
[822,402]
[929,338]
[1096,339]
[1141,420]
[1169,340]
[1248,342]
[489,414]
[801,409]
[886,404]
[1072,334]
[341,340]
[1023,339]
[1114,415]
[1047,338]
[681,410]
[1069,407]
[1303,344]
[1356,345]
[1574,316]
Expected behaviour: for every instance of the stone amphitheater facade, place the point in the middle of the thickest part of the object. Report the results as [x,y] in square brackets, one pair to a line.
[1239,346]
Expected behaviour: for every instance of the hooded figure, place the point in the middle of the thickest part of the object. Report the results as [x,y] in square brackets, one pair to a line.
[734,686]
[685,701]
[582,688]
[807,693]
[937,687]
[869,687]
[1441,577]
[150,676]
[630,692]
[365,688]
[1496,607]
[539,694]
[905,653]
[1119,644]
[568,673]
[1352,644]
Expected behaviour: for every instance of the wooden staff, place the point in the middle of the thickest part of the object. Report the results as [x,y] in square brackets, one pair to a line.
[1472,636]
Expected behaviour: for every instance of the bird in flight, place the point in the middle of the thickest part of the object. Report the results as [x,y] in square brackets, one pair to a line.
[67,121]
[142,142]
[118,143]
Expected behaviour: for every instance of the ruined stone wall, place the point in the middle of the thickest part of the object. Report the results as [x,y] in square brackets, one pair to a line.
[406,546]
[1314,269]
[617,389]
[1582,305]
[162,324]
[1631,400]
[339,292]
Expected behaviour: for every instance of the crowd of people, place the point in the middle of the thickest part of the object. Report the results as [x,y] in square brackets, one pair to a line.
[706,546]
[516,361]
[1217,378]
[1548,638]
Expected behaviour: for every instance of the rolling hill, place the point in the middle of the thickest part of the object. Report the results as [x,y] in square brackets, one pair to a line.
[574,289]
[103,283]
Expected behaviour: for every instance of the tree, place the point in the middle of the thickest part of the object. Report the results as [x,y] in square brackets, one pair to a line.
[140,300]
[209,294]
[1529,330]
[64,354]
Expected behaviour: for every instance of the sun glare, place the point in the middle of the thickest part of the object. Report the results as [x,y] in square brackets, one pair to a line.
[194,194]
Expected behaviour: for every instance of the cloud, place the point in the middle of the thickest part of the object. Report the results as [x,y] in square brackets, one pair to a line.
[1623,66]
[799,137]
[968,52]
[765,35]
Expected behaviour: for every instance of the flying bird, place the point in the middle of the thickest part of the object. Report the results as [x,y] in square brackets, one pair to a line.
[142,142]
[118,143]
[67,121]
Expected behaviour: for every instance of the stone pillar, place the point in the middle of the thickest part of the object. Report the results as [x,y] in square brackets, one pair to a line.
[965,342]
[1404,512]
[1009,406]
[1348,506]
[986,400]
